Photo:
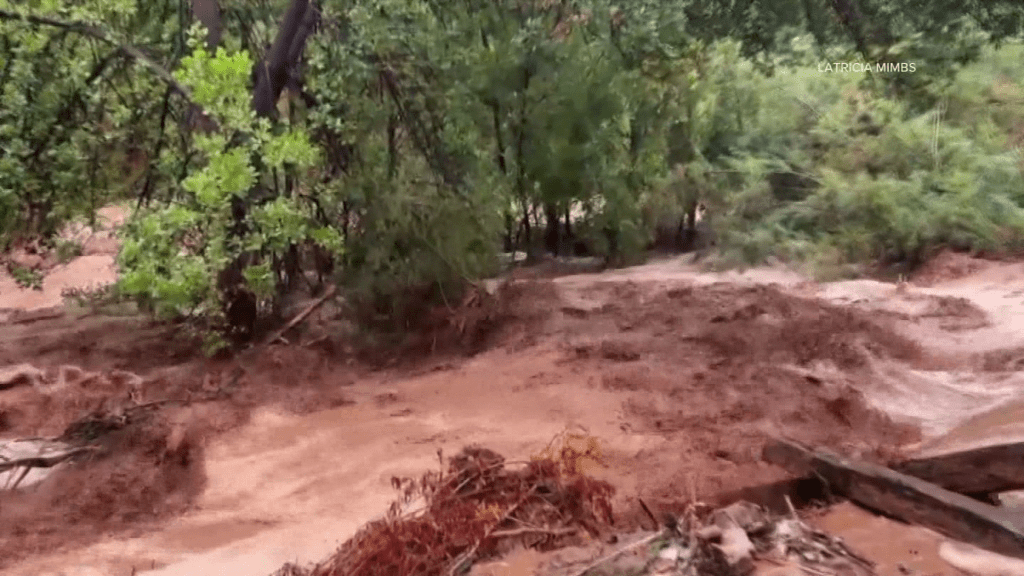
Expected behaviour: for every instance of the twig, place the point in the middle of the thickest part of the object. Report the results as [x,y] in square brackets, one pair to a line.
[512,533]
[42,461]
[792,509]
[474,476]
[20,478]
[620,552]
[649,513]
[490,532]
[101,35]
[855,556]
[331,290]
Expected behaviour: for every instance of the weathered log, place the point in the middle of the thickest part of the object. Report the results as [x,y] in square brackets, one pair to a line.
[906,498]
[977,472]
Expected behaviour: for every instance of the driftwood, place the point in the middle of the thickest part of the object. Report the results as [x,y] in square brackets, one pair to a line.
[980,471]
[906,498]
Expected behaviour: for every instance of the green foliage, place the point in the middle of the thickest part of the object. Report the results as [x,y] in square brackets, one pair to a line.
[427,127]
[530,105]
[890,184]
[25,277]
[68,250]
[73,106]
[172,254]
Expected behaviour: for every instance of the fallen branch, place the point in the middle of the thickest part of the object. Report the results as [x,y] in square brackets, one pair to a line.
[39,461]
[907,498]
[979,471]
[331,290]
[468,555]
[512,533]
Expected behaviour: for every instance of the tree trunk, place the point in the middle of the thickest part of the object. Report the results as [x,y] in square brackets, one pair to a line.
[690,231]
[271,77]
[272,74]
[552,235]
[570,237]
[509,240]
[392,147]
[852,19]
[527,239]
[209,15]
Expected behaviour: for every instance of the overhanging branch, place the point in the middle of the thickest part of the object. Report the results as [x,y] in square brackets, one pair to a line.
[99,34]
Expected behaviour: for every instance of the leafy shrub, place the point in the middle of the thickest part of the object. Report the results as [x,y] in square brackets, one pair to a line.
[886,183]
[173,254]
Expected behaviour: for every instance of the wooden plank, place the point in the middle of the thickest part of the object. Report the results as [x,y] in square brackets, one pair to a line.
[907,498]
[980,471]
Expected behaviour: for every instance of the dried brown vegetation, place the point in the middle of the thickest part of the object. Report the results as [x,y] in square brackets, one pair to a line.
[477,508]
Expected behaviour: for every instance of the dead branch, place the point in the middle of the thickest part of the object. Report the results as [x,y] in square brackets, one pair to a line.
[43,461]
[331,290]
[621,551]
[490,531]
[512,533]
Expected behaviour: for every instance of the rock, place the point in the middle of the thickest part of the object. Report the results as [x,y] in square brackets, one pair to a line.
[671,554]
[728,530]
[743,514]
[737,550]
[978,562]
[628,564]
[710,533]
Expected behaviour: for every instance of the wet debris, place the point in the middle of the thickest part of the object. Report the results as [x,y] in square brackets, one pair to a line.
[913,499]
[480,507]
[742,539]
[19,458]
[477,508]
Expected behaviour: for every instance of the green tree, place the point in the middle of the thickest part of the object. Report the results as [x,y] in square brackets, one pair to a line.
[174,255]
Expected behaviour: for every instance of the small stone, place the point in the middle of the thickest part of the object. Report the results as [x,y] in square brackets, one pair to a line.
[737,550]
[744,514]
[671,554]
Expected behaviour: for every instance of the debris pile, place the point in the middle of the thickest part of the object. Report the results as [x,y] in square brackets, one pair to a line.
[478,508]
[481,507]
[732,541]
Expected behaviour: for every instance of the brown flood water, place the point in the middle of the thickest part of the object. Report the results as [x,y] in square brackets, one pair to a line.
[288,487]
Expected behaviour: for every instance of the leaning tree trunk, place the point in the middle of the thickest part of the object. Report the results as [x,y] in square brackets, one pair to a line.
[278,68]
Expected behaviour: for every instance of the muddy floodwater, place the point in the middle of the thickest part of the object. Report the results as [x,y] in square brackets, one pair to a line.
[680,373]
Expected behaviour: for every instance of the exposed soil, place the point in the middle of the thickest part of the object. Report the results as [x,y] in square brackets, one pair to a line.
[237,466]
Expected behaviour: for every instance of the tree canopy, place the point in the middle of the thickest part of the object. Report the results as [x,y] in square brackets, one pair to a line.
[405,143]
